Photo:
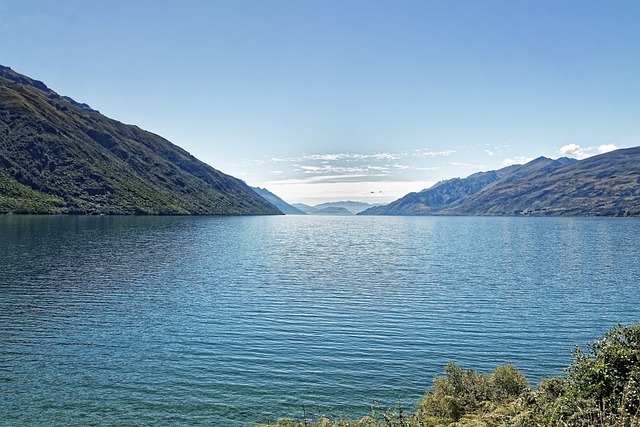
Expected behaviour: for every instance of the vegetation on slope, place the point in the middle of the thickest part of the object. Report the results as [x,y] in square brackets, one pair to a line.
[60,156]
[601,388]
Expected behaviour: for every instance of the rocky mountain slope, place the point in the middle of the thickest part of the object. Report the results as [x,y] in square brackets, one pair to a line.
[607,184]
[61,156]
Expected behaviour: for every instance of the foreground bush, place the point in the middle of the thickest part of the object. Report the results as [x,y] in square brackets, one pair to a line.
[601,388]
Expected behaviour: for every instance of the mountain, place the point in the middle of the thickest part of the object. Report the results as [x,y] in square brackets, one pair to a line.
[353,207]
[319,210]
[309,210]
[276,201]
[444,193]
[441,194]
[61,156]
[334,208]
[607,184]
[603,185]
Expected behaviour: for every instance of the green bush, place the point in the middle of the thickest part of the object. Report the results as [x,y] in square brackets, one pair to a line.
[507,384]
[601,389]
[466,396]
[605,375]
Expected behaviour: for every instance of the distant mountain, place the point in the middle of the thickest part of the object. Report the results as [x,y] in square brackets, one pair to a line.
[329,210]
[353,207]
[432,199]
[309,210]
[607,184]
[61,156]
[276,201]
[334,208]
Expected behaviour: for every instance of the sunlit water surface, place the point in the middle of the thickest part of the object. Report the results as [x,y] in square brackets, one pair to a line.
[236,320]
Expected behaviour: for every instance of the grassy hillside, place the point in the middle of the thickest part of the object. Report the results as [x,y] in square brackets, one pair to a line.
[60,156]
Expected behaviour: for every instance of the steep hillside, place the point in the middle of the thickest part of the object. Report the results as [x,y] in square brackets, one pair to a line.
[60,156]
[276,201]
[430,200]
[603,185]
[608,184]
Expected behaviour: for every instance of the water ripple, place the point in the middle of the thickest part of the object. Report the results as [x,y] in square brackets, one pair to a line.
[231,321]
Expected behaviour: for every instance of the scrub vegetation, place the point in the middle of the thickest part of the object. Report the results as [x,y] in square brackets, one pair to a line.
[601,388]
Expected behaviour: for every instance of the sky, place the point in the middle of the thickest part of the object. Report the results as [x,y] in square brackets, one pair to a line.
[365,100]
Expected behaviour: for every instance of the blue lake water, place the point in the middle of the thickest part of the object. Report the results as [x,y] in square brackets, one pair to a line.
[237,320]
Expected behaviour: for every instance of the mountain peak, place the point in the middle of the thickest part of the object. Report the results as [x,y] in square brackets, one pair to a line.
[540,159]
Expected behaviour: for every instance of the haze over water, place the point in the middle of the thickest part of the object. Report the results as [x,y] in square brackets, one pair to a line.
[237,320]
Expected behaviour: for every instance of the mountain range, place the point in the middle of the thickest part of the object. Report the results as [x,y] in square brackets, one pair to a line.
[603,185]
[343,208]
[61,156]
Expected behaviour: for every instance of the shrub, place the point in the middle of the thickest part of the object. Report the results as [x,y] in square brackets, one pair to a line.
[464,391]
[602,389]
[507,383]
[607,373]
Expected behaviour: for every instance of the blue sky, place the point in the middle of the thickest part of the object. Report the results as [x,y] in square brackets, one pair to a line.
[334,100]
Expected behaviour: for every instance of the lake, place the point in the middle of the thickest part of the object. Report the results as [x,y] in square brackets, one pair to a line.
[237,320]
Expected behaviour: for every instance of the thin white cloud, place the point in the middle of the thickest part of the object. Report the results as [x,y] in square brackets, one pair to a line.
[428,153]
[398,166]
[368,191]
[346,157]
[579,152]
[350,170]
[573,150]
[384,156]
[330,169]
[516,161]
[607,147]
[323,179]
[347,165]
[393,173]
[468,165]
[274,159]
[335,157]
